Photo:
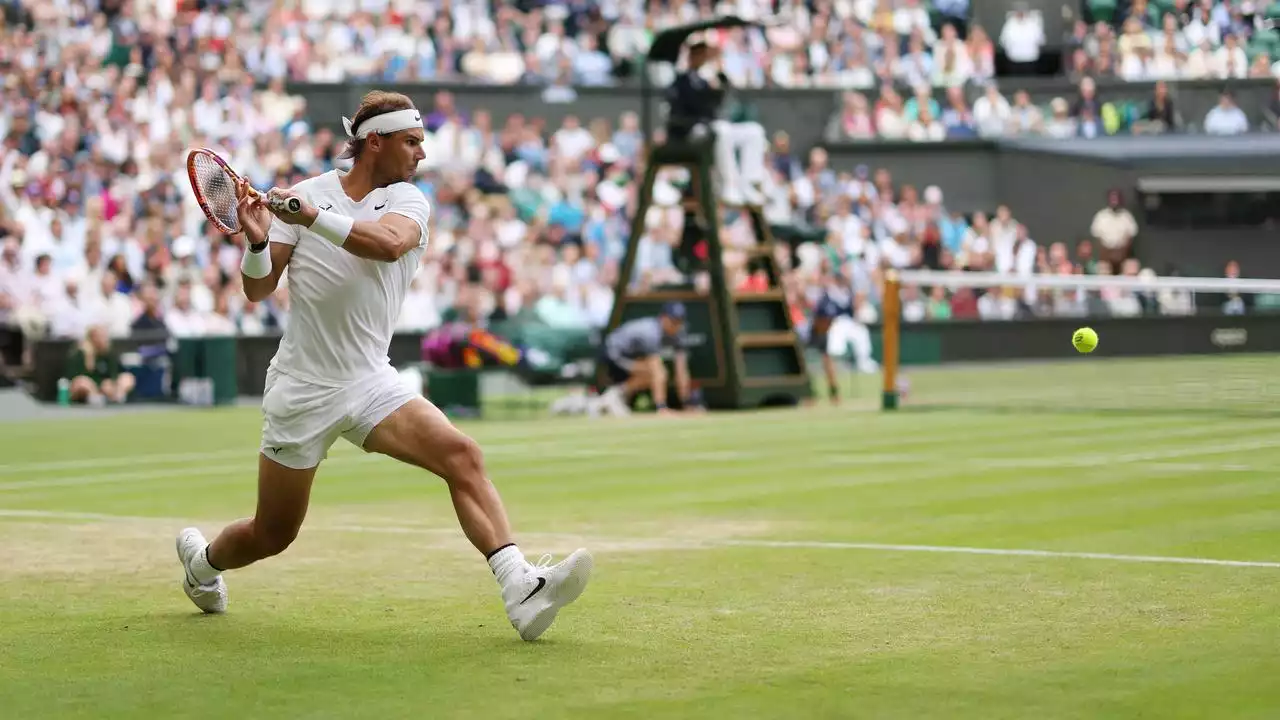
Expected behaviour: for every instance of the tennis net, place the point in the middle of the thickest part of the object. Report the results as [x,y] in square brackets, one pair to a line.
[989,341]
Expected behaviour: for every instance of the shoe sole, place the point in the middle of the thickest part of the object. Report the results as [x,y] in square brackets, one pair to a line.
[566,593]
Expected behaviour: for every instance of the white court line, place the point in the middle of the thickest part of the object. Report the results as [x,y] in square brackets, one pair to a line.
[120,461]
[804,544]
[704,545]
[60,515]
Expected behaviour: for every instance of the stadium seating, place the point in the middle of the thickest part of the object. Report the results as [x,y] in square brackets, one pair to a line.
[525,210]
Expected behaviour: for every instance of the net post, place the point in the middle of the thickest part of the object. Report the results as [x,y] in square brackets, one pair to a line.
[891,337]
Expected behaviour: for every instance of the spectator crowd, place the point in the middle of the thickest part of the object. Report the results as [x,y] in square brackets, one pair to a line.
[102,98]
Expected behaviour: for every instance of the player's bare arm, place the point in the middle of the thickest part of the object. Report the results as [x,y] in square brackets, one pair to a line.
[264,261]
[386,239]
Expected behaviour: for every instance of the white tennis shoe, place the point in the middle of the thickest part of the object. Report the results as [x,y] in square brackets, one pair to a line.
[534,601]
[210,597]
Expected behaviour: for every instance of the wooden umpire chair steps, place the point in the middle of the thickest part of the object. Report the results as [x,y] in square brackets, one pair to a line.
[746,352]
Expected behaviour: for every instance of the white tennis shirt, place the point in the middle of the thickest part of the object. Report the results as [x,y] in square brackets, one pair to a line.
[343,309]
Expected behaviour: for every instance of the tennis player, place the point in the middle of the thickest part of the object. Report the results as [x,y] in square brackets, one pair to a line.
[351,250]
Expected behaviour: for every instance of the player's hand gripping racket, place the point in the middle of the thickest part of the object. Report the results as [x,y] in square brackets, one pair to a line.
[214,184]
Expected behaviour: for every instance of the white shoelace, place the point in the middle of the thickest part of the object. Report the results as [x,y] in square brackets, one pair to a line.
[543,563]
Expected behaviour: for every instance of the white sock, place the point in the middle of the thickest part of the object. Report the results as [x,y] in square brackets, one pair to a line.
[508,565]
[201,570]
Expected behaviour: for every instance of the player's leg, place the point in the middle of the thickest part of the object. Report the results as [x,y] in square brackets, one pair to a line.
[412,430]
[284,494]
[419,434]
[301,422]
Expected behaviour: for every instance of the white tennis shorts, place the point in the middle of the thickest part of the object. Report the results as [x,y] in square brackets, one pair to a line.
[301,420]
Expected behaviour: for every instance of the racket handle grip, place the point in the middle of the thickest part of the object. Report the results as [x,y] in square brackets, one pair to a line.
[291,204]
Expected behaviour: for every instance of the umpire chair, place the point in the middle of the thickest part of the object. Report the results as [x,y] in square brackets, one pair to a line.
[746,352]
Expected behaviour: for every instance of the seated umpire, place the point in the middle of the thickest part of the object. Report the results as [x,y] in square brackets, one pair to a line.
[632,358]
[694,99]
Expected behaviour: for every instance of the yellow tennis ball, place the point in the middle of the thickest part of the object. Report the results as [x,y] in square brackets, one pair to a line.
[1085,340]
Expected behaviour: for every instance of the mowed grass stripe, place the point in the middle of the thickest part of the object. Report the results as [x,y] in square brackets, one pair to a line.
[498,453]
[883,429]
[557,461]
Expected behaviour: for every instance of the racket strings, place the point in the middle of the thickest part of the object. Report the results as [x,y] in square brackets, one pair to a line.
[217,189]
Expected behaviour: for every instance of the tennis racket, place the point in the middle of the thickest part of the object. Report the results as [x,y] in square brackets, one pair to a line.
[214,184]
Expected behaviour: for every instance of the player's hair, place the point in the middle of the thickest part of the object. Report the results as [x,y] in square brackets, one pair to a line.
[374,103]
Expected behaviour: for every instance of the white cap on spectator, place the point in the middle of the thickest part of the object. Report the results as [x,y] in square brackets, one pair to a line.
[609,153]
[183,247]
[933,195]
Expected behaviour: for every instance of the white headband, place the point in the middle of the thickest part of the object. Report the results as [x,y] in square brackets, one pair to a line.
[385,123]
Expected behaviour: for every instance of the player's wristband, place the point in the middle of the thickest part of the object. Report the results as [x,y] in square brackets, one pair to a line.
[256,265]
[332,227]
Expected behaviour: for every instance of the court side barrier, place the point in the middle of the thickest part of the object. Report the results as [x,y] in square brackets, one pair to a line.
[245,358]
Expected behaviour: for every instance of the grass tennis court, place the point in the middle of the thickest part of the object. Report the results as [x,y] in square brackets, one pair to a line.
[799,563]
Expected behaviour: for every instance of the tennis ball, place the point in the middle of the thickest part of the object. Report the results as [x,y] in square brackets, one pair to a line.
[1085,340]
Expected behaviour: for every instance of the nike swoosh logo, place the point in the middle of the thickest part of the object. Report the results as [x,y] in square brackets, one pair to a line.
[379,207]
[541,582]
[275,450]
[417,118]
[326,206]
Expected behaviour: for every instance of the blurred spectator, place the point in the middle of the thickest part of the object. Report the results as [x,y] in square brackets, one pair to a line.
[954,66]
[891,120]
[1025,118]
[1115,229]
[925,128]
[854,120]
[1060,124]
[1272,109]
[957,118]
[1021,38]
[1162,114]
[150,319]
[991,112]
[1226,118]
[1087,102]
[93,367]
[982,54]
[1230,61]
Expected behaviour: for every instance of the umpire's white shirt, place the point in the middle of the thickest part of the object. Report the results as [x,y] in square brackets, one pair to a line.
[343,309]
